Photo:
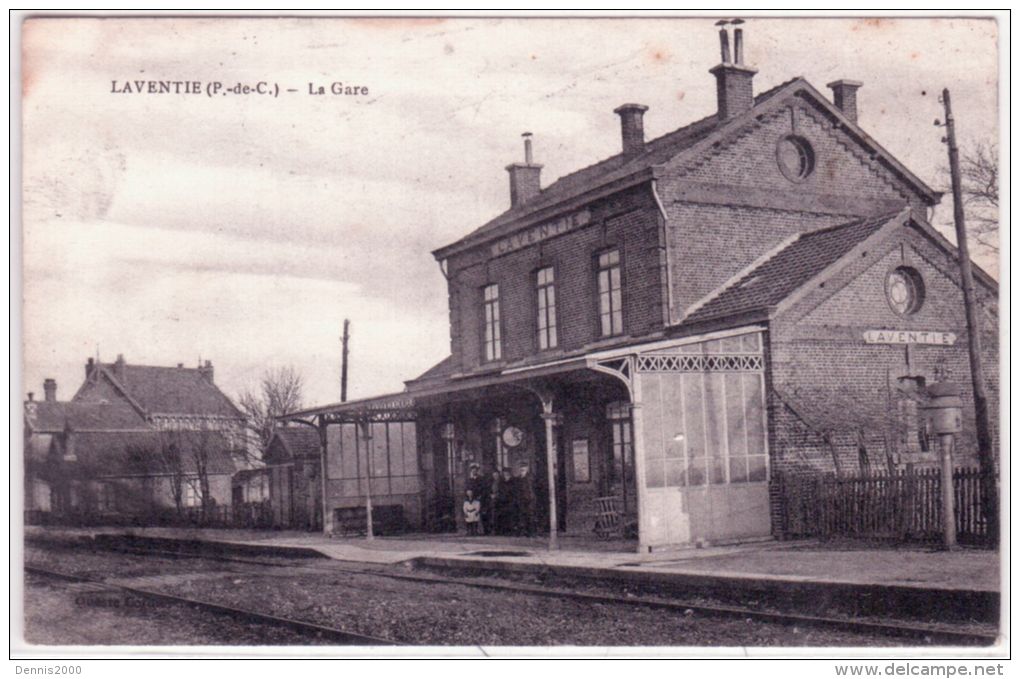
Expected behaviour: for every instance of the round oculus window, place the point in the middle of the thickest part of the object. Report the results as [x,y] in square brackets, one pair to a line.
[796,158]
[905,290]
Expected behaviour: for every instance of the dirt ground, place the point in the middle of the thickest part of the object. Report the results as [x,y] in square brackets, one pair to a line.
[410,612]
[65,614]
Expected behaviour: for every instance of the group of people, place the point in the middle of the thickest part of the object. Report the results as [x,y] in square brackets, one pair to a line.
[501,503]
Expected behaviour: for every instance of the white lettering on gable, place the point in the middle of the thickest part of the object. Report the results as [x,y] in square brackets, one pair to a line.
[934,337]
[540,232]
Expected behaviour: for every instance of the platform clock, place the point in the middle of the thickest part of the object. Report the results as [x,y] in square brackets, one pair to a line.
[512,437]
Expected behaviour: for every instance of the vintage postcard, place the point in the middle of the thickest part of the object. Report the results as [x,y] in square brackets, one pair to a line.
[511,335]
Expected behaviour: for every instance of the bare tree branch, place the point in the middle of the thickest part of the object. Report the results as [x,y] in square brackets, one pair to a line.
[169,459]
[279,393]
[979,175]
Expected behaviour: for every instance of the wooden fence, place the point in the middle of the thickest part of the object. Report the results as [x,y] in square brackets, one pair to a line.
[905,505]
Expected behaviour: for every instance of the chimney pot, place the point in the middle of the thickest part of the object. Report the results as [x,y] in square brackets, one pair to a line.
[734,86]
[525,178]
[118,367]
[844,96]
[207,371]
[632,127]
[31,396]
[50,389]
[724,45]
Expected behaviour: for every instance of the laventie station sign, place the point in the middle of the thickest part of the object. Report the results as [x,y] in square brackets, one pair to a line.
[541,232]
[935,337]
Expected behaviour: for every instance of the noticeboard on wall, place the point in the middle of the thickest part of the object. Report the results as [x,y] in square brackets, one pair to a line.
[581,459]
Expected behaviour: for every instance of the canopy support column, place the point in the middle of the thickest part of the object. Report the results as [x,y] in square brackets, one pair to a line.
[327,516]
[550,456]
[365,429]
[638,446]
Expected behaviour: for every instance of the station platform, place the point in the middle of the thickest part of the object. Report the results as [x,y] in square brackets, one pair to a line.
[795,563]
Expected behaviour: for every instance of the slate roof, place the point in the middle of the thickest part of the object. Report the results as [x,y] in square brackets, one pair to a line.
[300,442]
[442,369]
[165,390]
[58,416]
[616,167]
[774,279]
[656,152]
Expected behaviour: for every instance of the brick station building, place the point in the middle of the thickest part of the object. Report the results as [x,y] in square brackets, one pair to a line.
[755,292]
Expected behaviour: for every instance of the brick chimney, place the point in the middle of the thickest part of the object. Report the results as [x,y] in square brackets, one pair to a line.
[50,389]
[844,96]
[90,365]
[118,367]
[207,371]
[733,80]
[632,127]
[525,182]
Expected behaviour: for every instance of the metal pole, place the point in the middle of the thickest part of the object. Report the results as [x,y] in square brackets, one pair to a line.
[977,376]
[550,453]
[327,522]
[948,499]
[343,361]
[366,435]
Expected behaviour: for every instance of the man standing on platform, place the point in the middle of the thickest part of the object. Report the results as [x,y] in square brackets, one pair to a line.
[486,498]
[525,496]
[504,505]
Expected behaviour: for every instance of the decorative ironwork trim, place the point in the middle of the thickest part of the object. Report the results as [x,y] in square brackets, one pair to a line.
[345,417]
[685,363]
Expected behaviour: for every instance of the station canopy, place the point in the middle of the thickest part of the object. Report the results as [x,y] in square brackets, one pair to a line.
[386,408]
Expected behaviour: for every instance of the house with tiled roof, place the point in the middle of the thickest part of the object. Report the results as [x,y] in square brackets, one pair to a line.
[661,335]
[133,440]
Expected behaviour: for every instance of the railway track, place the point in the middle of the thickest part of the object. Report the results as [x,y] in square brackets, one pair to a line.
[339,636]
[927,634]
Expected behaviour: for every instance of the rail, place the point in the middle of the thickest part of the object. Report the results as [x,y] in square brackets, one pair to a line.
[342,637]
[928,634]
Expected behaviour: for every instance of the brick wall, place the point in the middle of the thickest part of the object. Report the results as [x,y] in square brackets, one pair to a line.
[100,390]
[628,221]
[821,364]
[748,158]
[709,243]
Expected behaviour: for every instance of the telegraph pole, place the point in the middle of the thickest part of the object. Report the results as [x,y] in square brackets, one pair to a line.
[362,429]
[977,376]
[343,361]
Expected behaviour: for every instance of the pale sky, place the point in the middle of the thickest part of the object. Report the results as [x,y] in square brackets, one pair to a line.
[244,229]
